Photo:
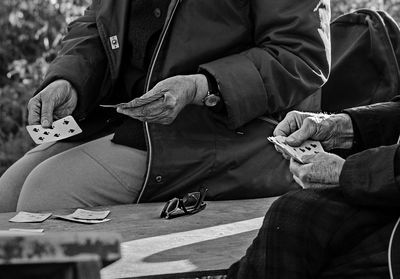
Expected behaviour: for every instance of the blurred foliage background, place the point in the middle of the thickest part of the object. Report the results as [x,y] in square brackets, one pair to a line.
[31,32]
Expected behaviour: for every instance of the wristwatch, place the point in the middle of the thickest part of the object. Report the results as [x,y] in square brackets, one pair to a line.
[211,99]
[213,96]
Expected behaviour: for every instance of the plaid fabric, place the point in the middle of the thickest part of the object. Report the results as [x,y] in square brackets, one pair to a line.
[317,234]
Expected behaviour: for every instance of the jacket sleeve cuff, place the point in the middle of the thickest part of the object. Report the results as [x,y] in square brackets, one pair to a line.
[233,75]
[375,123]
[368,178]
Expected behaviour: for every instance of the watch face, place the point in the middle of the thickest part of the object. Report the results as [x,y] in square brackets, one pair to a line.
[211,100]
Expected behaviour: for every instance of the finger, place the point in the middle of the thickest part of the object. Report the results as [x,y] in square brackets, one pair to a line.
[284,128]
[155,91]
[294,167]
[318,157]
[307,185]
[34,111]
[157,119]
[150,110]
[47,110]
[283,153]
[306,131]
[289,124]
[302,171]
[128,112]
[311,158]
[298,181]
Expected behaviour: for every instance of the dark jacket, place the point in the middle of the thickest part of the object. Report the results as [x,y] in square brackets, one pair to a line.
[267,56]
[372,178]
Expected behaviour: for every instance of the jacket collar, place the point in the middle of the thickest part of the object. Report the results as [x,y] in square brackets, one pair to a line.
[111,20]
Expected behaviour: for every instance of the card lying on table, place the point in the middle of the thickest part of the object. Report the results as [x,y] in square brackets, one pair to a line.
[61,129]
[86,216]
[84,221]
[29,217]
[309,147]
[90,214]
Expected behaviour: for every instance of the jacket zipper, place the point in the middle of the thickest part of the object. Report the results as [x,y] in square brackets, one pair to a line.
[147,83]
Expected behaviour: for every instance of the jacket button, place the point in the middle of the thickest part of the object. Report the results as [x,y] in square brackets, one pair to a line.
[159,178]
[157,13]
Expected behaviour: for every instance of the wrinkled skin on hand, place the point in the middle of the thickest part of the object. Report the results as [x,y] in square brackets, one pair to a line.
[321,170]
[57,100]
[179,91]
[333,131]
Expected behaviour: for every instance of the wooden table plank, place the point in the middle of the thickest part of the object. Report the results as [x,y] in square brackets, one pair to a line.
[210,240]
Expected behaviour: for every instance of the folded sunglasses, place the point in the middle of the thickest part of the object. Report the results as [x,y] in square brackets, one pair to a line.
[191,203]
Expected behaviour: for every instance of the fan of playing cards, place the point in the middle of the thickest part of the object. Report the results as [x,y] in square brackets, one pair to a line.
[61,129]
[309,147]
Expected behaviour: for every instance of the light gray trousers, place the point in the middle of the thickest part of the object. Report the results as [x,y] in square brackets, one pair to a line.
[71,175]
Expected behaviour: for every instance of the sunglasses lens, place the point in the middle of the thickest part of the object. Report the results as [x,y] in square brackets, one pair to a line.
[191,199]
[170,207]
[191,203]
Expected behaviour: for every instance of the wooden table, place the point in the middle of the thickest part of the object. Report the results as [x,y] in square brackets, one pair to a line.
[210,240]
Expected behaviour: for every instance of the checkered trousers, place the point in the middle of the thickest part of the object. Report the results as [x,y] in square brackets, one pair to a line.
[318,234]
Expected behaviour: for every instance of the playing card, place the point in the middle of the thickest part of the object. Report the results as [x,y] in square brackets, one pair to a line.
[27,231]
[309,147]
[61,129]
[138,102]
[84,221]
[113,106]
[28,217]
[89,214]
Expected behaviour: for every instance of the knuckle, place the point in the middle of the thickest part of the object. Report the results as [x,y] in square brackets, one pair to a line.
[309,121]
[170,104]
[145,111]
[293,113]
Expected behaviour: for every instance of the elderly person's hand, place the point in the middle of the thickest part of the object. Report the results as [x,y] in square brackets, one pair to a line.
[321,170]
[179,91]
[333,131]
[57,100]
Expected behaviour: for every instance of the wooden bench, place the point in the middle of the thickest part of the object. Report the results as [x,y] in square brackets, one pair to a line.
[152,247]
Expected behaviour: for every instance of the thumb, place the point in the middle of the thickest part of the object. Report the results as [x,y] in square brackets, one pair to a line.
[309,158]
[306,131]
[47,113]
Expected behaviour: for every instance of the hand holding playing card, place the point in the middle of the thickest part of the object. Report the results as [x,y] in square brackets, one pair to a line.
[60,129]
[321,170]
[307,148]
[333,131]
[177,92]
[59,99]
